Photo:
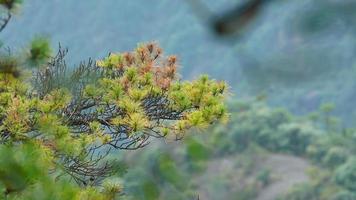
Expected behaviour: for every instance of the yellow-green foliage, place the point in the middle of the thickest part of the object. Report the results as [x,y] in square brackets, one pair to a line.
[139,78]
[49,138]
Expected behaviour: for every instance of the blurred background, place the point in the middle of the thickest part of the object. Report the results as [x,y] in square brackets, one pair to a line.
[291,66]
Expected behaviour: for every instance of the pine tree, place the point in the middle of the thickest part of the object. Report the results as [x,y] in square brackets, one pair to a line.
[58,124]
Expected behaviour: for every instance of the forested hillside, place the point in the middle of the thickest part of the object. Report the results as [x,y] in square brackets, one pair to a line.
[299,53]
[263,153]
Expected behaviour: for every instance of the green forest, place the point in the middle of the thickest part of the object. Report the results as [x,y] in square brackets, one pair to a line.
[177,100]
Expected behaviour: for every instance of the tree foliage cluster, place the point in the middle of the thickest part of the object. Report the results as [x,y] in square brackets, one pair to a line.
[58,124]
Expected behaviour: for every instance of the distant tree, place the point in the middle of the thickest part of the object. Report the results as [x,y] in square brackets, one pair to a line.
[346,175]
[58,125]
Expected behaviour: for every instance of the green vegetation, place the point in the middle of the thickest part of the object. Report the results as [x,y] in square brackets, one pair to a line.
[64,127]
[58,125]
[232,162]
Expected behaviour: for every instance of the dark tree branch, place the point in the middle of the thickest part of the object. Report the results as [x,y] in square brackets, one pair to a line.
[5,20]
